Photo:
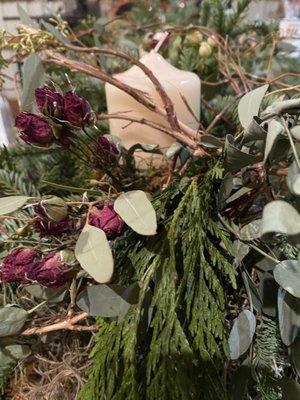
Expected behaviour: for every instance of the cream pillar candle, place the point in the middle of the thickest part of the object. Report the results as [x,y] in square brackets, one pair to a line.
[176,83]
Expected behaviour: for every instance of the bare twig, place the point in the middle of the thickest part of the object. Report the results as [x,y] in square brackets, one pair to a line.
[68,324]
[140,120]
[137,94]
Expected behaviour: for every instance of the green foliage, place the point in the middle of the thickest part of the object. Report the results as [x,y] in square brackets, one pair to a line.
[14,183]
[186,268]
[24,167]
[268,357]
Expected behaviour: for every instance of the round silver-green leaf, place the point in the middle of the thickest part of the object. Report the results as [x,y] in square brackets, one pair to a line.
[241,334]
[10,204]
[94,254]
[52,295]
[293,179]
[288,316]
[249,105]
[137,211]
[280,217]
[287,275]
[12,320]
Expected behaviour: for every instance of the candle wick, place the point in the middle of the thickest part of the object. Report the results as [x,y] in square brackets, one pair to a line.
[160,42]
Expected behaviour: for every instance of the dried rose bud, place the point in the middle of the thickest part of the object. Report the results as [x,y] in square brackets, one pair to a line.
[77,110]
[53,208]
[34,129]
[19,265]
[51,228]
[63,135]
[107,150]
[49,101]
[53,271]
[107,220]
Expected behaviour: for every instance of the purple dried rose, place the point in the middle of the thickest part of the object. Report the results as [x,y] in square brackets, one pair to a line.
[77,110]
[34,129]
[49,101]
[107,220]
[53,271]
[51,228]
[106,150]
[19,265]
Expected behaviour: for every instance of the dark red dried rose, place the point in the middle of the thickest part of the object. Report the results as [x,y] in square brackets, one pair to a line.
[106,150]
[52,271]
[49,101]
[107,220]
[19,265]
[34,129]
[77,110]
[51,228]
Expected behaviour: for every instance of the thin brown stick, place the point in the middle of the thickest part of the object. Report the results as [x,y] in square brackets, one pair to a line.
[68,324]
[140,120]
[138,95]
[167,102]
[220,115]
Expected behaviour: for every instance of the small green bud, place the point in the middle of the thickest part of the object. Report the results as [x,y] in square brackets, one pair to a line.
[54,208]
[67,257]
[205,50]
[23,231]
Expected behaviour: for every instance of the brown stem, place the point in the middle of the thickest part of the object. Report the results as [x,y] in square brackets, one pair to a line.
[220,115]
[137,94]
[167,102]
[140,120]
[68,324]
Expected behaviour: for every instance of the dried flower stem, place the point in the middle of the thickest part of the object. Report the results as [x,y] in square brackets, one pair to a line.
[68,324]
[140,120]
[140,96]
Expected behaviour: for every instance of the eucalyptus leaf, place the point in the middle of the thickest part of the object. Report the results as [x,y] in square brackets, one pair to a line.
[284,106]
[10,204]
[293,179]
[280,217]
[108,300]
[211,141]
[55,32]
[94,254]
[147,148]
[239,193]
[249,105]
[235,159]
[33,77]
[17,351]
[288,316]
[225,190]
[6,362]
[52,295]
[241,334]
[275,131]
[287,275]
[295,131]
[174,149]
[137,212]
[12,320]
[240,250]
[251,231]
[253,133]
[25,18]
